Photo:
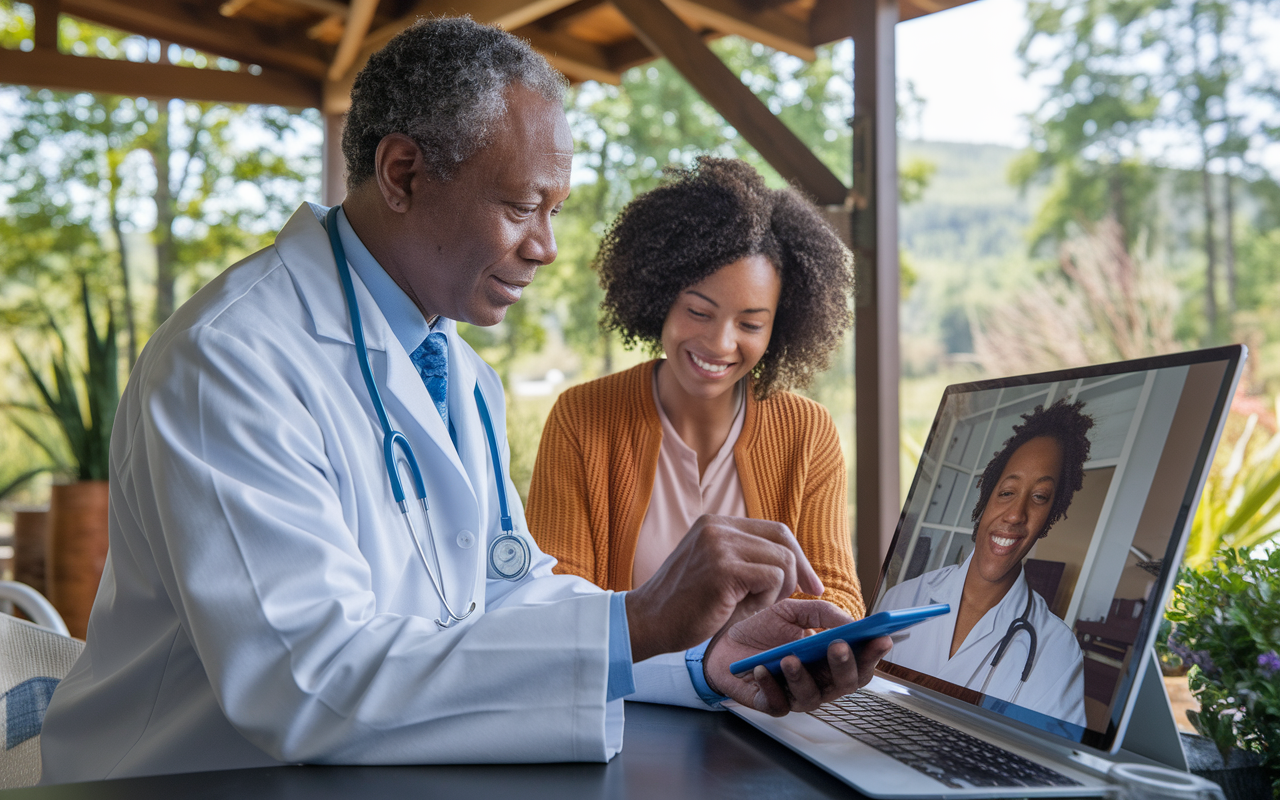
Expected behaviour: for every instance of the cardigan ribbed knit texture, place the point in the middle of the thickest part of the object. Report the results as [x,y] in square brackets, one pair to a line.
[599,455]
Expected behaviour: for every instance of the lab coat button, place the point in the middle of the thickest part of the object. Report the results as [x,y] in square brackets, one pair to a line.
[466,540]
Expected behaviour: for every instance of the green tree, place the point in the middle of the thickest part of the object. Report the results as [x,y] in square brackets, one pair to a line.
[1214,69]
[1191,70]
[139,200]
[1085,134]
[210,181]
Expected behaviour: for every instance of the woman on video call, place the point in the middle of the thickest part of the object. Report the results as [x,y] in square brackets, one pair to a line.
[1000,637]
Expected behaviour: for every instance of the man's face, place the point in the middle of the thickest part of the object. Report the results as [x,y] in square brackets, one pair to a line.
[1018,509]
[467,247]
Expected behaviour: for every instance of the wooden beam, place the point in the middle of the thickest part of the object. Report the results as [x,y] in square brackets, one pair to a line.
[353,34]
[324,29]
[877,371]
[46,32]
[768,27]
[577,59]
[508,14]
[831,20]
[76,74]
[203,28]
[330,8]
[663,32]
[628,54]
[232,7]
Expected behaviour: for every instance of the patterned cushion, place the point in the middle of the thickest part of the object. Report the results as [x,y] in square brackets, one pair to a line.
[32,661]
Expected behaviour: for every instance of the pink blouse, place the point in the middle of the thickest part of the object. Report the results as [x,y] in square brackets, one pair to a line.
[680,496]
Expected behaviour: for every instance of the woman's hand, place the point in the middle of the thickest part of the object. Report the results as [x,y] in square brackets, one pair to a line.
[845,670]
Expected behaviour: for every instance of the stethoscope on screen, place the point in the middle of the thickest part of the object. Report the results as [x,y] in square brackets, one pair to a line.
[1022,623]
[509,554]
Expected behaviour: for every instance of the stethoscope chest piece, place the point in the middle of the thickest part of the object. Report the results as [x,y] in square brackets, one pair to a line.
[509,557]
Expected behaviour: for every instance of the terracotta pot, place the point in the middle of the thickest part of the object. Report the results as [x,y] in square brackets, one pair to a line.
[30,539]
[77,550]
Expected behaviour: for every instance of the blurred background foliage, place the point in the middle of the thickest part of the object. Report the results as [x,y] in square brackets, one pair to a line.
[1140,219]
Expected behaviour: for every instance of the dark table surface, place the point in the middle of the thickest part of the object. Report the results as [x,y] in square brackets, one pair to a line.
[668,753]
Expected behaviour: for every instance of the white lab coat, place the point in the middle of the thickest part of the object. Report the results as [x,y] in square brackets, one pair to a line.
[1056,684]
[262,601]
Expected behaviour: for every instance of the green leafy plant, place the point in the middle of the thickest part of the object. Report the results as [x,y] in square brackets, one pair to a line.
[86,427]
[1240,506]
[1226,625]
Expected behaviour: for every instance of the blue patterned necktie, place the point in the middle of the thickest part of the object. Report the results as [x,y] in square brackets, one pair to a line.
[432,360]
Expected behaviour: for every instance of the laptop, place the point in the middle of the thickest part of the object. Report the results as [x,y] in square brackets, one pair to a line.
[1055,682]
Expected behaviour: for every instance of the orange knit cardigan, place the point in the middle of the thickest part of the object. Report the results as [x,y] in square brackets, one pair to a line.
[599,455]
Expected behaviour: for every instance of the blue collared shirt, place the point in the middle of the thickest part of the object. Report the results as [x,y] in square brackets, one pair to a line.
[410,328]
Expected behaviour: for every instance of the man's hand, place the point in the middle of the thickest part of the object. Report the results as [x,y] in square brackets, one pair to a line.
[725,569]
[846,670]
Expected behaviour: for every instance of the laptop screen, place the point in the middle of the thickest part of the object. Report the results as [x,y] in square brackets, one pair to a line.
[1051,512]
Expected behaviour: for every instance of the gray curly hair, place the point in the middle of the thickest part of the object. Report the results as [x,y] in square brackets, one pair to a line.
[442,83]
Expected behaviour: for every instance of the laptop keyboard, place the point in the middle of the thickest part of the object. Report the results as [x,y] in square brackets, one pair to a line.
[943,753]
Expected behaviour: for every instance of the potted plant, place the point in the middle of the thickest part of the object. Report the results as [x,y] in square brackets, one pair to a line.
[77,527]
[1226,627]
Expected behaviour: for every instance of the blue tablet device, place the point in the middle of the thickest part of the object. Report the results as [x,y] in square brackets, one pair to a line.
[813,649]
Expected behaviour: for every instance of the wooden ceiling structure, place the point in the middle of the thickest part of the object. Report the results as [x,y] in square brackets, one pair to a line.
[306,53]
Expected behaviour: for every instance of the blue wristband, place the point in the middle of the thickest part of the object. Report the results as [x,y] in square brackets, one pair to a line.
[693,661]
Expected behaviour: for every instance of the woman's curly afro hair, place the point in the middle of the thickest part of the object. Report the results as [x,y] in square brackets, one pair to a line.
[706,217]
[1062,421]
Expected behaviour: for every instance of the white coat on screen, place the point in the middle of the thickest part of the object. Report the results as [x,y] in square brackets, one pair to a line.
[1055,686]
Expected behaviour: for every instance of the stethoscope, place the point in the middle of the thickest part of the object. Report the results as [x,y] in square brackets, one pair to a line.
[509,554]
[1022,623]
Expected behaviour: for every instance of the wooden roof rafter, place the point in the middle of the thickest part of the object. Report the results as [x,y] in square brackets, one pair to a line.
[310,50]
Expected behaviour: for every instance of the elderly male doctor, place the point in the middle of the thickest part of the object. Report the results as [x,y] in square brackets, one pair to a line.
[264,601]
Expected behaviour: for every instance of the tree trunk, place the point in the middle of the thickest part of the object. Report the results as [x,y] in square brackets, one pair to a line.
[1115,187]
[1229,241]
[117,229]
[1210,250]
[164,200]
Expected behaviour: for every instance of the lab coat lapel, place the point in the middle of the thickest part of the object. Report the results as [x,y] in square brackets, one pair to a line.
[995,622]
[303,245]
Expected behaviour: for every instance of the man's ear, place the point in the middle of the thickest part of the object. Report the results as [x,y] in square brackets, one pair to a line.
[396,163]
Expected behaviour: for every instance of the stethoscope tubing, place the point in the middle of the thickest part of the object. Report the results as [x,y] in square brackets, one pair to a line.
[393,440]
[1022,623]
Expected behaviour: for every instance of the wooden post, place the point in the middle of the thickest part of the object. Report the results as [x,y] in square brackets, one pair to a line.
[46,28]
[875,236]
[333,168]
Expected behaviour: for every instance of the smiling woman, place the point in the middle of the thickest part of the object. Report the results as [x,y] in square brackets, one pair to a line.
[1026,487]
[746,292]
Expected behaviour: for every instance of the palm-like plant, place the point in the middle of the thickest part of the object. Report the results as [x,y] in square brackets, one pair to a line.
[1240,507]
[87,427]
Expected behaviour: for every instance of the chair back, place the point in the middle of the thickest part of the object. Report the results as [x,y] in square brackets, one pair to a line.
[32,662]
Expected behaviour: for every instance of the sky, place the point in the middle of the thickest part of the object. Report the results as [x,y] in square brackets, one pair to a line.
[964,64]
